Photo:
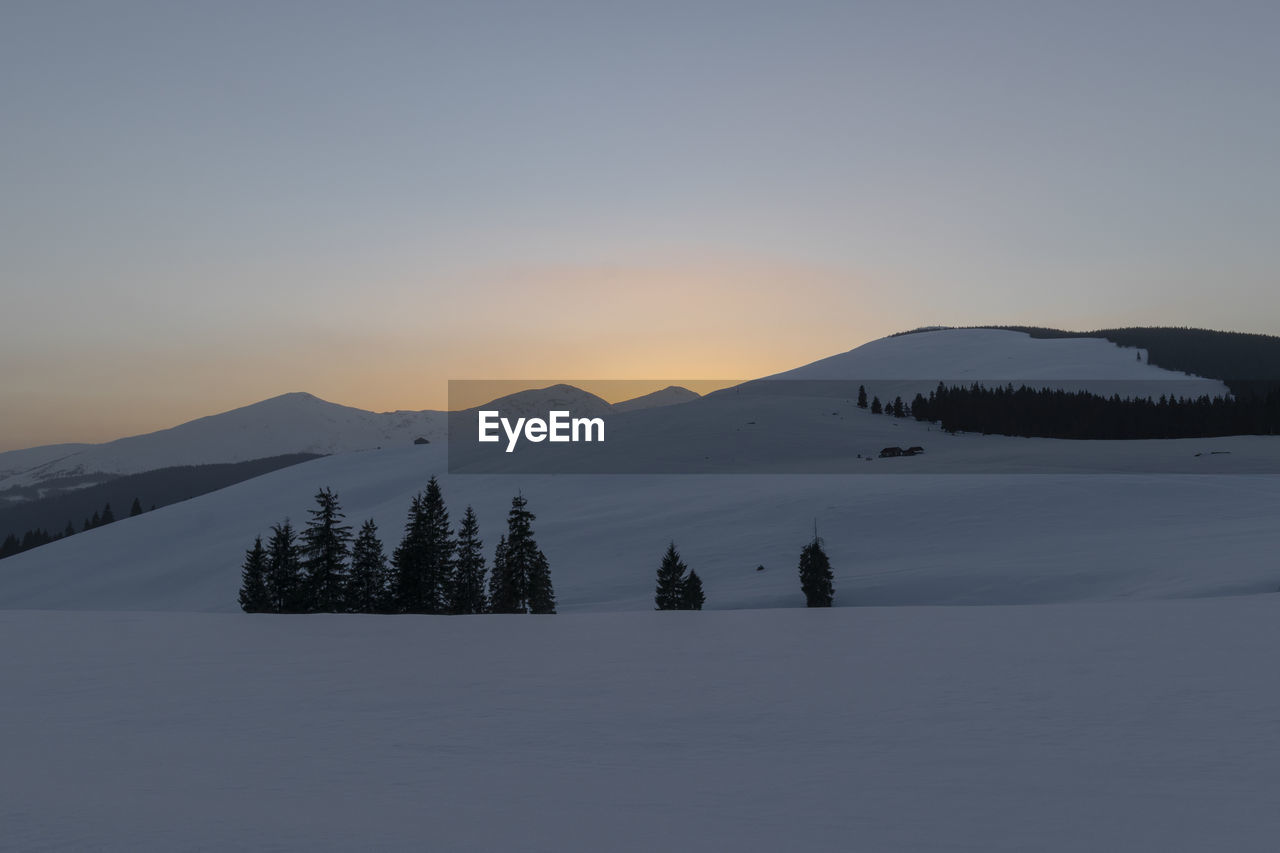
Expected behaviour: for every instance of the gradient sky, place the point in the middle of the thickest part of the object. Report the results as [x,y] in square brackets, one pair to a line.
[206,204]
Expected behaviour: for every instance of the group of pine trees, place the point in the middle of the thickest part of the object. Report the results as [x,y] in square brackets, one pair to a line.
[897,408]
[325,569]
[1054,413]
[677,590]
[34,538]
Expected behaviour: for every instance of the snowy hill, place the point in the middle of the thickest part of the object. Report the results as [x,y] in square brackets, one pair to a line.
[1160,519]
[290,423]
[918,361]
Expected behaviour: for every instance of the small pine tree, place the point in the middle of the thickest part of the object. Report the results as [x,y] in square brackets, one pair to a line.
[467,592]
[691,595]
[284,574]
[69,530]
[668,594]
[862,396]
[816,579]
[366,590]
[898,410]
[93,522]
[876,408]
[136,509]
[326,545]
[108,516]
[253,580]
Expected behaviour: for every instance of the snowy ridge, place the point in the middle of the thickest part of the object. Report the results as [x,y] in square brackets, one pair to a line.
[672,395]
[290,423]
[922,359]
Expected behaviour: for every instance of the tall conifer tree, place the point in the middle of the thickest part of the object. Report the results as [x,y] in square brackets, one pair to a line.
[816,579]
[670,589]
[284,574]
[326,546]
[253,580]
[366,590]
[521,581]
[467,591]
[424,559]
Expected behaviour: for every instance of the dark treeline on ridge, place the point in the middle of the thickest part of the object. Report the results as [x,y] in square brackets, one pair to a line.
[1247,363]
[1052,413]
[35,537]
[37,520]
[324,568]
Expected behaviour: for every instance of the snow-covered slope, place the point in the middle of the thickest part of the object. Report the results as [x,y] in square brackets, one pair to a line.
[1140,727]
[290,423]
[894,540]
[922,359]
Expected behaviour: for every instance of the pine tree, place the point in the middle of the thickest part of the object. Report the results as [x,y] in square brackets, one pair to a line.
[93,522]
[521,580]
[366,590]
[876,408]
[107,515]
[504,596]
[691,595]
[667,596]
[816,579]
[898,411]
[862,396]
[325,547]
[253,580]
[284,574]
[424,558]
[69,530]
[466,594]
[542,596]
[136,509]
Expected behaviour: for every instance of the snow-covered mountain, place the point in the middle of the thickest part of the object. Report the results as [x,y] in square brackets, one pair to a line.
[917,361]
[290,423]
[672,395]
[1167,518]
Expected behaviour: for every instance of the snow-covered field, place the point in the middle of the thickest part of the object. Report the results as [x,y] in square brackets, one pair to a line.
[1131,709]
[1139,726]
[893,539]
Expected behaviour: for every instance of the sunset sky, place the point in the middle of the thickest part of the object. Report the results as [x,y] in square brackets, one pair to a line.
[206,204]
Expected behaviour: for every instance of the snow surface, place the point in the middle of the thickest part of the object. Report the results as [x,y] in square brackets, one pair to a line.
[1091,727]
[1125,720]
[893,539]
